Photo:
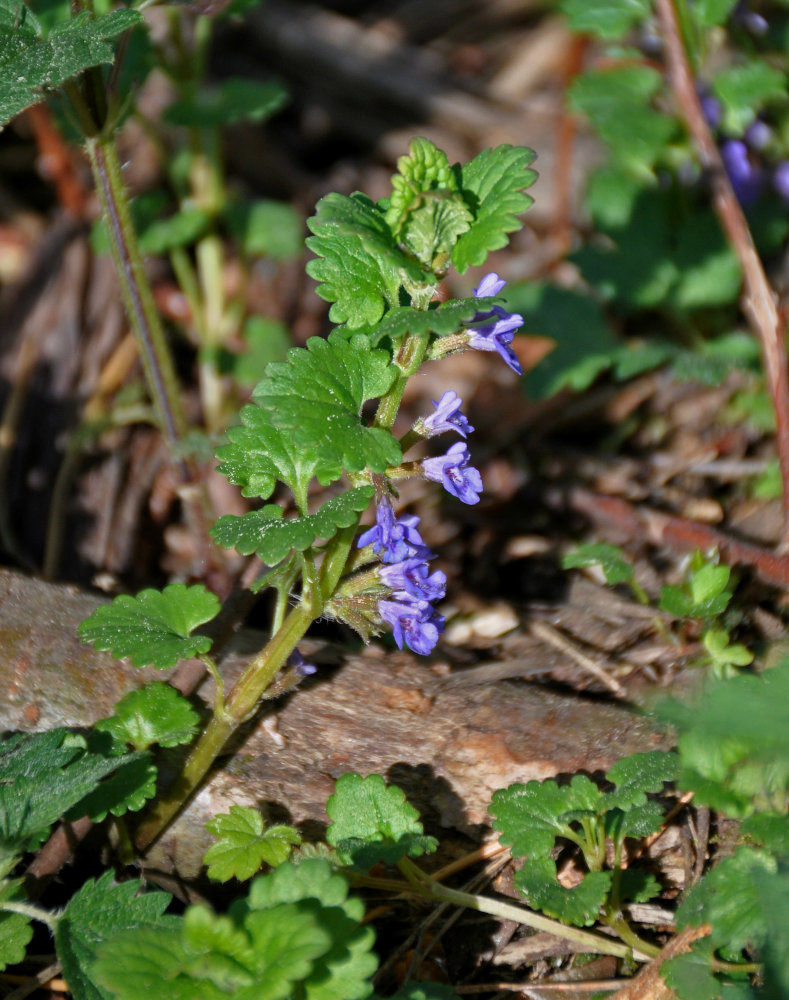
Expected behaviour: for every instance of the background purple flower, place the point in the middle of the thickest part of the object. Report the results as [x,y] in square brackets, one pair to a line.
[454,473]
[746,179]
[781,179]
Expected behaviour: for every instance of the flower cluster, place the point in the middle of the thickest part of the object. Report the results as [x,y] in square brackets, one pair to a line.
[411,589]
[407,608]
[752,160]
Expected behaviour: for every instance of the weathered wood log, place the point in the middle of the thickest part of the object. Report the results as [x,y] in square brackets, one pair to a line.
[449,746]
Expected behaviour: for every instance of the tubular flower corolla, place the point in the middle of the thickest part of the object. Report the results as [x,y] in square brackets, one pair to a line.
[447,416]
[454,473]
[498,334]
[413,622]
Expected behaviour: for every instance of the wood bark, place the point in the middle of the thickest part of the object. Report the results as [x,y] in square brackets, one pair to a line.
[449,746]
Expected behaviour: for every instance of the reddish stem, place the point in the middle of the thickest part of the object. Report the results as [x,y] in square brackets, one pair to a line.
[758,298]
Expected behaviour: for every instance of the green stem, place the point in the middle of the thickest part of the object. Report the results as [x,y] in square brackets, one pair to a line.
[409,357]
[507,911]
[618,923]
[136,291]
[241,704]
[30,910]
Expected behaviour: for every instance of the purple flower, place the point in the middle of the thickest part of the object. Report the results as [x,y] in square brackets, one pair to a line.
[447,416]
[299,667]
[745,178]
[412,578]
[490,285]
[454,473]
[749,19]
[413,622]
[711,109]
[495,336]
[781,179]
[394,538]
[758,135]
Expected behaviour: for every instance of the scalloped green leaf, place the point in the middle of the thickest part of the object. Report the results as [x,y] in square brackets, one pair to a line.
[235,99]
[373,821]
[16,929]
[259,455]
[271,537]
[578,906]
[208,957]
[443,320]
[729,900]
[360,269]
[317,396]
[638,774]
[295,935]
[93,915]
[617,102]
[127,789]
[342,973]
[42,776]
[313,878]
[493,184]
[690,975]
[530,817]
[245,844]
[609,558]
[31,64]
[744,89]
[154,628]
[427,212]
[606,19]
[635,821]
[154,714]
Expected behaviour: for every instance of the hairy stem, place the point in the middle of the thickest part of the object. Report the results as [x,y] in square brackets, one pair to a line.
[136,291]
[240,705]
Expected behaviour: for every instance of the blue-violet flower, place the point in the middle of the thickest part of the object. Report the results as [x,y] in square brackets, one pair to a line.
[413,622]
[412,578]
[454,473]
[498,335]
[447,416]
[301,669]
[394,538]
[746,179]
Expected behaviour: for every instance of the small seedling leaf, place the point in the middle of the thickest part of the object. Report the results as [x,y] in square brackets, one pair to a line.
[244,844]
[154,714]
[530,817]
[372,821]
[579,906]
